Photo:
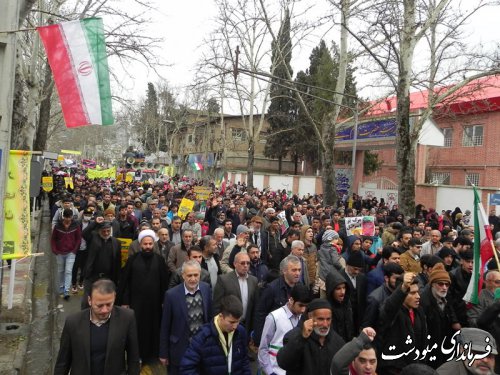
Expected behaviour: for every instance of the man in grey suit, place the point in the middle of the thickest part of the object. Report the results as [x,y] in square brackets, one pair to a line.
[95,340]
[241,284]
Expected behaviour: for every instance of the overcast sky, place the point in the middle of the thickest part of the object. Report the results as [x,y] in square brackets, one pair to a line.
[184,24]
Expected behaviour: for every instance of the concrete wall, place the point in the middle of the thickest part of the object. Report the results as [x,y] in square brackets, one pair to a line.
[390,196]
[300,185]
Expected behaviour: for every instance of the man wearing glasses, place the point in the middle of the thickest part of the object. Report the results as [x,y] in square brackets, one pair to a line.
[486,298]
[410,259]
[442,321]
[240,284]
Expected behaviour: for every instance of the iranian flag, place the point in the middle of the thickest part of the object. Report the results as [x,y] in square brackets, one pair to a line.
[483,250]
[77,56]
[197,166]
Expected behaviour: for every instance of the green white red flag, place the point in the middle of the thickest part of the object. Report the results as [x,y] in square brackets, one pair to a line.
[197,166]
[482,250]
[76,51]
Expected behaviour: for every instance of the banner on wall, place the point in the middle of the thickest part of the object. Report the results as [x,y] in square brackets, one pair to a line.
[17,222]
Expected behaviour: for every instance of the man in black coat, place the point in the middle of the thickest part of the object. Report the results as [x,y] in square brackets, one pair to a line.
[440,316]
[460,278]
[403,327]
[104,257]
[356,282]
[376,299]
[276,293]
[308,349]
[107,344]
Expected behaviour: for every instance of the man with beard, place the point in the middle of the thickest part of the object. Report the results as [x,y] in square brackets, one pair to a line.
[376,299]
[164,244]
[402,326]
[410,259]
[100,340]
[178,253]
[175,233]
[440,316]
[460,278]
[271,242]
[124,226]
[308,349]
[257,267]
[104,258]
[337,293]
[483,363]
[144,282]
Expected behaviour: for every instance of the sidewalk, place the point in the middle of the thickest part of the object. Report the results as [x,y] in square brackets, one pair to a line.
[15,323]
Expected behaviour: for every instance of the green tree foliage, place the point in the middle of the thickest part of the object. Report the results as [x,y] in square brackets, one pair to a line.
[371,164]
[319,81]
[148,125]
[282,110]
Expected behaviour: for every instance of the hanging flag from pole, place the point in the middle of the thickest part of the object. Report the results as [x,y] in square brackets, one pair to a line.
[76,51]
[482,234]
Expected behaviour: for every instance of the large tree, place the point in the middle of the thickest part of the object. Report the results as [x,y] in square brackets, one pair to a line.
[391,32]
[326,138]
[281,114]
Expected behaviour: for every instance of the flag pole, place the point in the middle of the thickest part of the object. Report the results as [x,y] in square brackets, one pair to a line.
[490,238]
[495,253]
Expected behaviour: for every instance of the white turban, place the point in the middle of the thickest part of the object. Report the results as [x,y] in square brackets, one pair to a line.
[147,233]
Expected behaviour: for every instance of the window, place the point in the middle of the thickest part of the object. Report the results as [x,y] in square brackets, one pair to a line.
[473,136]
[440,178]
[471,179]
[238,134]
[448,136]
[190,139]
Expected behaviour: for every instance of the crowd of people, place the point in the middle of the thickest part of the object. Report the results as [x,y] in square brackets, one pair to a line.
[265,277]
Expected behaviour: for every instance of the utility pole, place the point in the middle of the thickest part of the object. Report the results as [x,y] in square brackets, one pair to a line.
[9,21]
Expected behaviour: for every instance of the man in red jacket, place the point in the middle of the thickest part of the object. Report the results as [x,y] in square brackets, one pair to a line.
[65,242]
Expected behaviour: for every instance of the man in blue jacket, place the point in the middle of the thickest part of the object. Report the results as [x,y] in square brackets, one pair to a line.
[219,347]
[186,308]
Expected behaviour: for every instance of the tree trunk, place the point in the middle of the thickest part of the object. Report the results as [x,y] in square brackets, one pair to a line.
[45,108]
[328,169]
[329,188]
[18,111]
[405,156]
[405,145]
[250,163]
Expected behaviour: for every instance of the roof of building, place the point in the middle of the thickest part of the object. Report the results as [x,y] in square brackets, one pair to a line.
[481,95]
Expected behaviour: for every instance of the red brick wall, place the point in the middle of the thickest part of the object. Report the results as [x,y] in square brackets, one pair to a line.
[459,160]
